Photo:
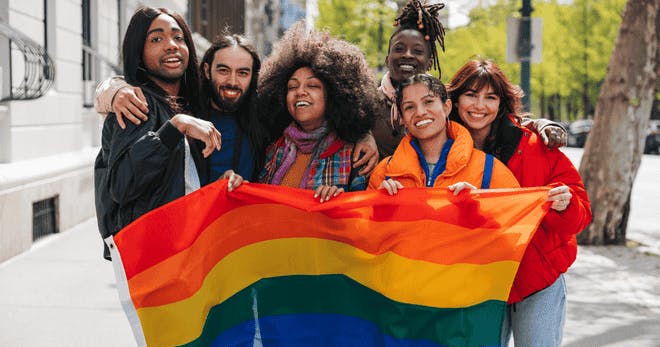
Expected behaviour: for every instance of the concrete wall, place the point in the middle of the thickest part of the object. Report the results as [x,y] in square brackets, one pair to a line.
[48,145]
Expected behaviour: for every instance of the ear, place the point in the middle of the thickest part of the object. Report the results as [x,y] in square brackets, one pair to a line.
[429,65]
[387,60]
[447,107]
[206,71]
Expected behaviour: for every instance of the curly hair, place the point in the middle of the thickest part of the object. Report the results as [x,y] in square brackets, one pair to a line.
[480,73]
[423,17]
[351,98]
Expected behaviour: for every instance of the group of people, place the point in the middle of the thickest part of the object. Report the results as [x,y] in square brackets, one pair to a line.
[314,118]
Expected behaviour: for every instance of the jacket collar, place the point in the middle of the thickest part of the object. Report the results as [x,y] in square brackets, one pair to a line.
[404,161]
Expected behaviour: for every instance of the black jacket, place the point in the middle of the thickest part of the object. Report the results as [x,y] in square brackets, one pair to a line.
[141,167]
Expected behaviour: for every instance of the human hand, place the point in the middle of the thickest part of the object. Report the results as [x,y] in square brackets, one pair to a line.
[198,129]
[130,103]
[235,180]
[554,136]
[327,192]
[365,154]
[392,186]
[458,187]
[560,197]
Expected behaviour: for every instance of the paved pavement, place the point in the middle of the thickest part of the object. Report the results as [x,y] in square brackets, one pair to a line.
[61,293]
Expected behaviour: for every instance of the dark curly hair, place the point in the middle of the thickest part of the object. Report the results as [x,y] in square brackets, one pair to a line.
[351,98]
[423,17]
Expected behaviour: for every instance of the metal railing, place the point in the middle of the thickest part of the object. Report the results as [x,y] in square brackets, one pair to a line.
[90,60]
[38,67]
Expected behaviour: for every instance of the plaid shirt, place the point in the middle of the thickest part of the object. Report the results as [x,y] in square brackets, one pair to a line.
[332,167]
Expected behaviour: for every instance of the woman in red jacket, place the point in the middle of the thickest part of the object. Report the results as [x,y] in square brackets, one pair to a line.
[490,107]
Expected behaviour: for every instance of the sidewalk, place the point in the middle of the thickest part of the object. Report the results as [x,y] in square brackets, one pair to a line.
[61,293]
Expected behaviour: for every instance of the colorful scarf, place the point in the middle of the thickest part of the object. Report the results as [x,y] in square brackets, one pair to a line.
[297,140]
[388,89]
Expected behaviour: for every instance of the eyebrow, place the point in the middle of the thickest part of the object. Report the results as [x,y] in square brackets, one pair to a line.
[242,68]
[308,78]
[161,30]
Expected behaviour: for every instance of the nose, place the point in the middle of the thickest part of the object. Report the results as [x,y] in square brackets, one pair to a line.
[301,91]
[479,102]
[232,79]
[408,53]
[171,45]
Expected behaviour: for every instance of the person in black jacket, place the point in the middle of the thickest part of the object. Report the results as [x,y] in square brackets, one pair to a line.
[160,159]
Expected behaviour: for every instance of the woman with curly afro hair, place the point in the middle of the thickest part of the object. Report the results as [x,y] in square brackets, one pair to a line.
[318,97]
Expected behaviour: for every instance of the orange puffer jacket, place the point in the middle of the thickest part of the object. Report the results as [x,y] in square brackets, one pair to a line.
[464,163]
[553,248]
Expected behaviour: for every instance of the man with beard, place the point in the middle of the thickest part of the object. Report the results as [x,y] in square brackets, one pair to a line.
[230,68]
[144,166]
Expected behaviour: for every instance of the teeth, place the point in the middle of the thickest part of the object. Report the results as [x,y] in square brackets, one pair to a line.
[302,104]
[230,92]
[171,60]
[423,122]
[406,67]
[478,115]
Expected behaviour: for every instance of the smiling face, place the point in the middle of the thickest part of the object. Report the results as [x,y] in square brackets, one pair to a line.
[424,114]
[408,55]
[165,53]
[305,99]
[230,74]
[478,109]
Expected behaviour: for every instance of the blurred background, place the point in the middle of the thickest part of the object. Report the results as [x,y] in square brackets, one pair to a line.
[54,53]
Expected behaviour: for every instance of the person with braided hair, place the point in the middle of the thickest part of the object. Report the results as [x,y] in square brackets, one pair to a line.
[413,50]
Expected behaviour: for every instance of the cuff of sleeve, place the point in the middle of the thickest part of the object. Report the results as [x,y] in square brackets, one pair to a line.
[169,135]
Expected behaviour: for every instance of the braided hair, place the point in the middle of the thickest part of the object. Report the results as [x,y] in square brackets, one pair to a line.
[423,17]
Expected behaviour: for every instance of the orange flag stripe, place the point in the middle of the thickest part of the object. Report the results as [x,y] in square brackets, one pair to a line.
[439,243]
[156,242]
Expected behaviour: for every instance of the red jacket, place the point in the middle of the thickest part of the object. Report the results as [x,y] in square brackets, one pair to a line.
[553,247]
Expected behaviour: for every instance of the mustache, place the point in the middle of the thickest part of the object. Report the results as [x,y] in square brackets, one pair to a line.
[230,87]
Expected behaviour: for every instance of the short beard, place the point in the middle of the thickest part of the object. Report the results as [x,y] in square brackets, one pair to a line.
[224,105]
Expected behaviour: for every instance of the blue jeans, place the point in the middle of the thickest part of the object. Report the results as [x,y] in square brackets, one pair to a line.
[538,320]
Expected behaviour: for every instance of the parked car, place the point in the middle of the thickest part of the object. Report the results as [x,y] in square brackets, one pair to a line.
[652,140]
[578,132]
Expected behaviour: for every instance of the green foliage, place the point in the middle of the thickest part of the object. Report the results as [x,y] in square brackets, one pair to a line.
[578,39]
[360,22]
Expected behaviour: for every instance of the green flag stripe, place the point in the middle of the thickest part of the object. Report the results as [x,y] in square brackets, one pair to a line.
[477,325]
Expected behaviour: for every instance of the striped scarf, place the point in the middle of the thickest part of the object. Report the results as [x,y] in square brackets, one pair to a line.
[296,140]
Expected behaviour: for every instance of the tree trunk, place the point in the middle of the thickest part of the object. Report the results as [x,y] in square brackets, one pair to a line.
[613,151]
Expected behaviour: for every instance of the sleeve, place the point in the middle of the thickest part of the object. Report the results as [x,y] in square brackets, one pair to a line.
[137,157]
[105,93]
[577,215]
[537,125]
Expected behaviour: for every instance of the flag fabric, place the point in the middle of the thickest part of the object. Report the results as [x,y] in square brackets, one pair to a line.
[271,266]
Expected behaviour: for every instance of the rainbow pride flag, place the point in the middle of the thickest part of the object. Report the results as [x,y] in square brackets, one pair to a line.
[270,266]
